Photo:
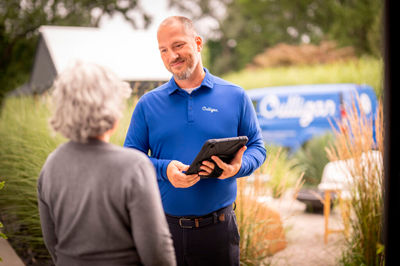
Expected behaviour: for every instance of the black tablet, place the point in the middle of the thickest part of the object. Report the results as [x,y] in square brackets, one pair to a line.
[224,148]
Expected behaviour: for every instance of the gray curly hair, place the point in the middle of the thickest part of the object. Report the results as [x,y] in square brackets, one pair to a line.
[88,100]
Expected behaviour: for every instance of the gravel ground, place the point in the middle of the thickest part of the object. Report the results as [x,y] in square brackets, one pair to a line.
[305,235]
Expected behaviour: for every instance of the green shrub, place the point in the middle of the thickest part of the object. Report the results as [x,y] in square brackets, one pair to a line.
[281,170]
[25,142]
[2,235]
[312,158]
[24,145]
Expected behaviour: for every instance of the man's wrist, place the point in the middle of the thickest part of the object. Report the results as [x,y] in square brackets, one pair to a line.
[164,169]
[240,171]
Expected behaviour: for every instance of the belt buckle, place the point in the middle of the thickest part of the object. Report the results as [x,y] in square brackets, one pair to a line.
[184,226]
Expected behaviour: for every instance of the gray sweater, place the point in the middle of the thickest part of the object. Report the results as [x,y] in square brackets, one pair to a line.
[100,205]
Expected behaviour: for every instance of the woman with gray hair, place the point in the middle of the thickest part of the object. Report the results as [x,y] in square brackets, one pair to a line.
[99,203]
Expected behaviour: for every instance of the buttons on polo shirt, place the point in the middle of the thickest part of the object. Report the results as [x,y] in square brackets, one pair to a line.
[190,109]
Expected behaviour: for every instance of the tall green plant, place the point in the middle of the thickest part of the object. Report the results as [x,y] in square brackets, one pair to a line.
[312,158]
[25,142]
[281,170]
[353,146]
[2,235]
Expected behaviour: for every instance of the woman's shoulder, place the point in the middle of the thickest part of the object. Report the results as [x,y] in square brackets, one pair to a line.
[132,165]
[124,155]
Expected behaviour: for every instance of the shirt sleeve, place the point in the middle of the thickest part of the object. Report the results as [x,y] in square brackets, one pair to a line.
[255,154]
[47,224]
[149,226]
[137,137]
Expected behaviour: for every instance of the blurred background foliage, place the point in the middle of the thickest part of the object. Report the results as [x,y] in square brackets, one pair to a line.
[364,70]
[21,19]
[242,28]
[248,27]
[312,158]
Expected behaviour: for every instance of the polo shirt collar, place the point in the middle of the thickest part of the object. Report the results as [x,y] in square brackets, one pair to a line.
[208,82]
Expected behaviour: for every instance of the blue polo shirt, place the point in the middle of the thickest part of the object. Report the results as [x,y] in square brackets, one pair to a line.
[170,124]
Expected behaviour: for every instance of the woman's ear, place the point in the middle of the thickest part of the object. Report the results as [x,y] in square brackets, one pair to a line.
[115,126]
[107,135]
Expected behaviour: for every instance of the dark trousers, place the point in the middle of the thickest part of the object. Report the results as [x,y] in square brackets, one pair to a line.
[208,240]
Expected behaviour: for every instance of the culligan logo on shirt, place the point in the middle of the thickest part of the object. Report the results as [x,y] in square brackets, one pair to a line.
[296,107]
[209,109]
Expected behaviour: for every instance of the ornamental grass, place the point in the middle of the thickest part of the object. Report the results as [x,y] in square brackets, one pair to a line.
[261,230]
[358,144]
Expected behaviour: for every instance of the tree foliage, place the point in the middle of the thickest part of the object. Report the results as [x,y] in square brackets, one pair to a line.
[21,19]
[247,27]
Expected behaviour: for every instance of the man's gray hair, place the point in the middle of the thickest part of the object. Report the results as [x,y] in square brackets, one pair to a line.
[88,99]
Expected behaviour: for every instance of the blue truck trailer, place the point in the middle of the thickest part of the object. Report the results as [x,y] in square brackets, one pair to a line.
[289,116]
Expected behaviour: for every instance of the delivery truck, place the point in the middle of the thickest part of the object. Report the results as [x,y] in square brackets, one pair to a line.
[289,116]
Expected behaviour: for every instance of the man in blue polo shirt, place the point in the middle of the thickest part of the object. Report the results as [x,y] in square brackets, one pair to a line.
[171,123]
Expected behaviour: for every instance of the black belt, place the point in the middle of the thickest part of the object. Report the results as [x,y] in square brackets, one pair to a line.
[199,221]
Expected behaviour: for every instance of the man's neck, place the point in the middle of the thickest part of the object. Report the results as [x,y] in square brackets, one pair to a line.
[194,80]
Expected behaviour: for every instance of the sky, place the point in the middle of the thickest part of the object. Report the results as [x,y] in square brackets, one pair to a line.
[158,10]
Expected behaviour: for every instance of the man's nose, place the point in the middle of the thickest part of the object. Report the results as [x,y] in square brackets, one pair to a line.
[173,56]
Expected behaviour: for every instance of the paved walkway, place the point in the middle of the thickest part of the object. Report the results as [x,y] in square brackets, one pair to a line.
[7,253]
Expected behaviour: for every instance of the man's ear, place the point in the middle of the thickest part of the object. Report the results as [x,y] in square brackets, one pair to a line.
[199,43]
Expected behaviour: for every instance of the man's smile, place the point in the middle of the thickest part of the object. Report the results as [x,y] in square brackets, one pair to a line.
[177,63]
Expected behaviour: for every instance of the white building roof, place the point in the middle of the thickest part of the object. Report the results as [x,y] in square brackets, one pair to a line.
[133,56]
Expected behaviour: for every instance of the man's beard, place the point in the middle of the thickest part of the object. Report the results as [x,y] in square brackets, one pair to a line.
[185,74]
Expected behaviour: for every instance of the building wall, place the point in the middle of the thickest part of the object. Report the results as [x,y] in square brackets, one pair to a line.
[44,71]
